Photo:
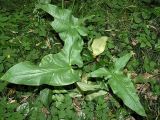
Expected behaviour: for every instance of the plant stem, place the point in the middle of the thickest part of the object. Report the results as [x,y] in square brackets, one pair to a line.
[73,4]
[62,4]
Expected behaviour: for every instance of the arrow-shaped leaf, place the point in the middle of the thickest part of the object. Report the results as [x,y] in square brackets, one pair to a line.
[54,69]
[70,28]
[123,87]
[51,74]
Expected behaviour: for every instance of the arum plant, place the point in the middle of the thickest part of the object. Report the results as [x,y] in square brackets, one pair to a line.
[54,69]
[57,70]
[120,84]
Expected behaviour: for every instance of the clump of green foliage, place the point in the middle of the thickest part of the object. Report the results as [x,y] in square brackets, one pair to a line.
[90,58]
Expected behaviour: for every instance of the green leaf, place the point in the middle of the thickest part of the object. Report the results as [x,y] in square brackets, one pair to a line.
[88,87]
[3,85]
[72,48]
[121,62]
[54,69]
[46,97]
[55,72]
[70,28]
[123,87]
[64,21]
[95,94]
[136,17]
[101,72]
[156,11]
[1,67]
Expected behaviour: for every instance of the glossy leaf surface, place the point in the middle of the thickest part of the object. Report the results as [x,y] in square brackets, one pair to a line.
[29,74]
[69,28]
[54,69]
[121,85]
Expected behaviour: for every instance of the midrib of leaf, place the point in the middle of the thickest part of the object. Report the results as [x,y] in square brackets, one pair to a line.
[70,50]
[70,55]
[42,71]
